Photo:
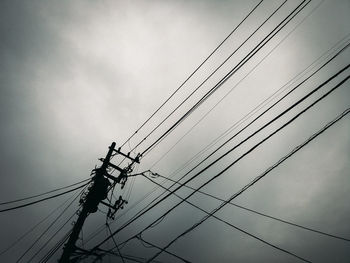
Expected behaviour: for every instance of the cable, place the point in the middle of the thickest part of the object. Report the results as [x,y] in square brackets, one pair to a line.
[55,248]
[243,155]
[258,178]
[115,243]
[262,104]
[128,257]
[41,200]
[241,130]
[46,230]
[250,123]
[229,74]
[292,12]
[34,227]
[236,124]
[47,242]
[204,61]
[260,142]
[202,83]
[65,238]
[139,237]
[229,224]
[55,190]
[247,209]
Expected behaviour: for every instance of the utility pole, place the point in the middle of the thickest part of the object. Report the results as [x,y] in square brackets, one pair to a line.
[97,193]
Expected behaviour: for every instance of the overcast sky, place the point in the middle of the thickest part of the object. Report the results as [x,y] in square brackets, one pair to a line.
[78,75]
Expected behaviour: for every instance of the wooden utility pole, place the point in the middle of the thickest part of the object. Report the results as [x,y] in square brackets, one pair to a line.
[97,193]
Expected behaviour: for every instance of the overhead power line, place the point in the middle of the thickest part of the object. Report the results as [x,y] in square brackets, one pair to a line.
[333,55]
[58,244]
[98,230]
[229,224]
[43,199]
[243,207]
[261,44]
[242,156]
[263,113]
[206,79]
[231,55]
[258,178]
[139,237]
[249,151]
[246,153]
[101,227]
[49,192]
[263,103]
[35,226]
[194,72]
[115,243]
[128,257]
[55,248]
[45,231]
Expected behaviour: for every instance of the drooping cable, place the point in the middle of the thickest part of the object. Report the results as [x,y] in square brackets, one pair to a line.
[53,236]
[55,248]
[246,208]
[258,178]
[261,44]
[38,195]
[263,103]
[310,67]
[128,257]
[35,226]
[194,72]
[243,141]
[243,155]
[206,79]
[229,224]
[256,118]
[142,240]
[293,29]
[43,199]
[115,243]
[46,230]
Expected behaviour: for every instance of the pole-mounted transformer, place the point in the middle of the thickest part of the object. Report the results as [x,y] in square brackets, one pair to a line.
[97,193]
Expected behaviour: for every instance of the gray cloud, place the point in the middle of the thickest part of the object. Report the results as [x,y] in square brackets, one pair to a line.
[76,75]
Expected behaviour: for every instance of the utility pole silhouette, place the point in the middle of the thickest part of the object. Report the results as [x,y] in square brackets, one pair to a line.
[97,193]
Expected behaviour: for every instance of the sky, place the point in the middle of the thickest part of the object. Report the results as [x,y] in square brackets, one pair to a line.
[77,75]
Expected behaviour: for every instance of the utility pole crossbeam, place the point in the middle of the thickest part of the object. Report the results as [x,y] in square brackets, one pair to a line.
[97,193]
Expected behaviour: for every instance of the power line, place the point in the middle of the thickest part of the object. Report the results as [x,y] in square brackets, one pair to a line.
[243,155]
[261,44]
[270,51]
[194,72]
[33,196]
[262,104]
[59,244]
[260,142]
[97,231]
[44,199]
[139,237]
[229,224]
[328,61]
[35,226]
[258,178]
[203,82]
[115,243]
[128,257]
[45,231]
[306,69]
[55,248]
[244,208]
[259,116]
